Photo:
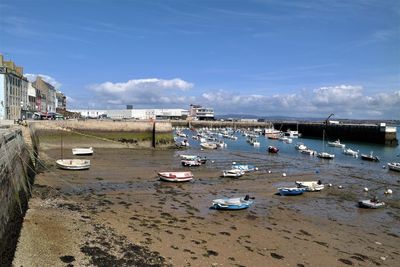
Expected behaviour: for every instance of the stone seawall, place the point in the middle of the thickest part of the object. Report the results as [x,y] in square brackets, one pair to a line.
[16,178]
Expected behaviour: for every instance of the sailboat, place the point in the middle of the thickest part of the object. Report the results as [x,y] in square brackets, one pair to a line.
[71,164]
[324,155]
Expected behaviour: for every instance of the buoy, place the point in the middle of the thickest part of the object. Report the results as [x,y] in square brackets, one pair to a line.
[340,187]
[212,161]
[330,185]
[389,191]
[284,174]
[234,162]
[256,168]
[269,171]
[365,189]
[383,167]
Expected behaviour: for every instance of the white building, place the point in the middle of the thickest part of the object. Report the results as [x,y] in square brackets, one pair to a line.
[138,114]
[198,112]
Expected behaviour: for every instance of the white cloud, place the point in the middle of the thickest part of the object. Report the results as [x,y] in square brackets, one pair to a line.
[46,78]
[142,91]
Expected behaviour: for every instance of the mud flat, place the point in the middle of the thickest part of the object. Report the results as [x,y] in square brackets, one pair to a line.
[119,214]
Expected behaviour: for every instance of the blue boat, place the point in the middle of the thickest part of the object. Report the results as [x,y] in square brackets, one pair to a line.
[237,203]
[291,191]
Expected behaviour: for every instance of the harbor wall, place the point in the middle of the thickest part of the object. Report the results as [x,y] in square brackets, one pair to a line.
[369,133]
[16,177]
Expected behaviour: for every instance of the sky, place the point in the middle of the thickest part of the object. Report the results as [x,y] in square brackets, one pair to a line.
[260,57]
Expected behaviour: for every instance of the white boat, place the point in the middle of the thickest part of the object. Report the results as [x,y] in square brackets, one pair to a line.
[189,157]
[207,145]
[293,134]
[82,151]
[310,186]
[244,167]
[371,203]
[325,155]
[300,146]
[336,144]
[309,152]
[237,203]
[73,164]
[350,152]
[190,163]
[394,166]
[232,173]
[175,176]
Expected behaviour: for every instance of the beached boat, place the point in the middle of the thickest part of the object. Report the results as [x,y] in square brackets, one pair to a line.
[394,166]
[189,157]
[190,163]
[325,155]
[291,191]
[310,186]
[73,164]
[244,167]
[237,203]
[371,203]
[82,151]
[175,176]
[369,157]
[207,145]
[336,144]
[272,149]
[350,152]
[232,173]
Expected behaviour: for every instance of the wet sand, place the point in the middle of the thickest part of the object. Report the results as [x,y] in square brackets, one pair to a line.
[119,214]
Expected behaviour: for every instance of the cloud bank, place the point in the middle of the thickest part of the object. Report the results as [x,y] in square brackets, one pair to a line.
[345,101]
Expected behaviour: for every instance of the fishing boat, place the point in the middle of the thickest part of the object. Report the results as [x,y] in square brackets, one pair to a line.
[73,164]
[244,167]
[237,203]
[373,203]
[190,163]
[336,144]
[350,152]
[394,166]
[369,157]
[272,149]
[175,176]
[310,186]
[291,191]
[232,173]
[82,151]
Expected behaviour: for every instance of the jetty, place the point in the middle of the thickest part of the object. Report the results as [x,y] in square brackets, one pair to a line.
[368,133]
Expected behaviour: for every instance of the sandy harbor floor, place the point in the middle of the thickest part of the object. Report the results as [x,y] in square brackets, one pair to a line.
[119,214]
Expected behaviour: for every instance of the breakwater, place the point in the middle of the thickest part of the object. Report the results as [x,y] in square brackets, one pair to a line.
[16,178]
[369,133]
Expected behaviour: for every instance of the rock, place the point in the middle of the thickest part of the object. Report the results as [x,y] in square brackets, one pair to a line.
[383,258]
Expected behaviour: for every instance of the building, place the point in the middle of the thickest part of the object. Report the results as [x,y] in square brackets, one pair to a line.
[137,114]
[198,112]
[13,91]
[32,106]
[61,101]
[48,95]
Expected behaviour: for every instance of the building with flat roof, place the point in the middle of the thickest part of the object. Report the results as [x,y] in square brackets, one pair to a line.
[137,114]
[198,112]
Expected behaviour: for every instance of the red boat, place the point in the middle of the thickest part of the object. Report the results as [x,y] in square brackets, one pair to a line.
[272,149]
[175,176]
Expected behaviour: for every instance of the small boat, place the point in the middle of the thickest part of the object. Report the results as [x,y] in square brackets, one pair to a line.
[73,164]
[190,163]
[336,144]
[308,152]
[185,142]
[189,157]
[272,149]
[244,167]
[291,191]
[237,203]
[310,186]
[325,155]
[175,176]
[207,145]
[369,157]
[350,152]
[394,166]
[232,173]
[82,151]
[373,203]
[300,146]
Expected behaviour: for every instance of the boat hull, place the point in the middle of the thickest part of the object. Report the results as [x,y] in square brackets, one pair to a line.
[73,164]
[175,176]
[231,204]
[370,204]
[294,191]
[394,166]
[82,151]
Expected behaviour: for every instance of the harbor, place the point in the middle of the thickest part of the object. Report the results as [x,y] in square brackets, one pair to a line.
[119,211]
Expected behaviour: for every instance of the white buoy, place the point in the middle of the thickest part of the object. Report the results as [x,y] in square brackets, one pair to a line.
[269,171]
[330,185]
[284,174]
[383,167]
[365,189]
[256,168]
[389,191]
[340,187]
[234,162]
[212,161]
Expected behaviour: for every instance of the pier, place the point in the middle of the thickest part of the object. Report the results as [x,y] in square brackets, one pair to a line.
[369,133]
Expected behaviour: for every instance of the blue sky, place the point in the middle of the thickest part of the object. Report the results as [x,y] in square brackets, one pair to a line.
[293,58]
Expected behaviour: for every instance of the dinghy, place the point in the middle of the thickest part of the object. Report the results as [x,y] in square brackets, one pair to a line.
[244,167]
[189,157]
[190,163]
[373,203]
[350,152]
[73,164]
[310,186]
[237,203]
[175,176]
[82,151]
[232,173]
[394,166]
[291,191]
[325,155]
